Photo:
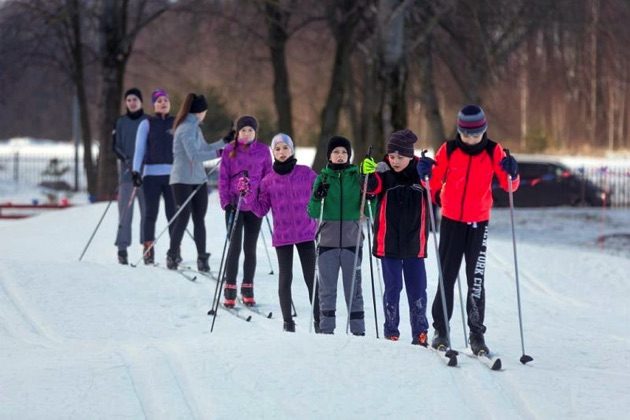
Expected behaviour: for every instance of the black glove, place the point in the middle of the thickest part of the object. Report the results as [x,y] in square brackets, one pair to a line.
[509,165]
[229,136]
[137,179]
[424,167]
[322,190]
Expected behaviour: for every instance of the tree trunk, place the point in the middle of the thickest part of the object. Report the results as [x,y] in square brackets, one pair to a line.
[79,82]
[114,54]
[428,96]
[277,23]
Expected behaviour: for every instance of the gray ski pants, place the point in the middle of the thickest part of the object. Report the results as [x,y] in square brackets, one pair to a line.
[125,214]
[329,263]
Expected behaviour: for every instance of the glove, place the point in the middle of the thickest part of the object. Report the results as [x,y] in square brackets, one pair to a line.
[424,167]
[229,136]
[136,178]
[510,166]
[242,185]
[322,190]
[368,166]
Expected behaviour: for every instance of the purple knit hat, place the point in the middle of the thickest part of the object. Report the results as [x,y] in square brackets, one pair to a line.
[471,120]
[157,93]
[402,142]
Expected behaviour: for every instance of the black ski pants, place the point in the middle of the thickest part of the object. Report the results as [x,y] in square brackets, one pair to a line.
[197,206]
[469,240]
[154,187]
[306,252]
[246,236]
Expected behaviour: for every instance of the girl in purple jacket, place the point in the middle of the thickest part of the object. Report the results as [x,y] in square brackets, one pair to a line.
[286,191]
[244,157]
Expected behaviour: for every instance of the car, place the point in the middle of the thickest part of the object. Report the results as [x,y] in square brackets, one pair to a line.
[548,184]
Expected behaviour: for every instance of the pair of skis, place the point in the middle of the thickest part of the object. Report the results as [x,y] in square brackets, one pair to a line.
[449,357]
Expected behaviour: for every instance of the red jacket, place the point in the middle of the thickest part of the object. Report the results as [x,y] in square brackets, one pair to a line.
[464,181]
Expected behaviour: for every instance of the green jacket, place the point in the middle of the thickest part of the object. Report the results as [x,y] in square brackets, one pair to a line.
[341,206]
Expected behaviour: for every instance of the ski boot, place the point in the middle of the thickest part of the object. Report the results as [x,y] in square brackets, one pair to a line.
[149,257]
[122,257]
[171,260]
[247,294]
[439,340]
[478,344]
[421,340]
[202,263]
[229,292]
[289,326]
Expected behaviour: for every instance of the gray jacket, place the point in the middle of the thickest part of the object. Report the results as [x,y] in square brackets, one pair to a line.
[125,143]
[190,150]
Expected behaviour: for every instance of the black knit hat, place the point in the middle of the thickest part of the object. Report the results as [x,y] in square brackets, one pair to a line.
[246,121]
[402,142]
[134,91]
[338,141]
[198,104]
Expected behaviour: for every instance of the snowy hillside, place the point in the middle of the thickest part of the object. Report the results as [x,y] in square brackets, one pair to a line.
[94,339]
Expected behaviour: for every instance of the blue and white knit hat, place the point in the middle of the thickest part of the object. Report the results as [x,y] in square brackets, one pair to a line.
[282,138]
[471,120]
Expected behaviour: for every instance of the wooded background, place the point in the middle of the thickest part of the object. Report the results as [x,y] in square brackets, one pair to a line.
[552,75]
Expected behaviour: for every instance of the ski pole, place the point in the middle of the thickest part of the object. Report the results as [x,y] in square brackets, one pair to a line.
[227,239]
[356,266]
[524,358]
[369,230]
[378,262]
[461,306]
[222,275]
[316,280]
[439,263]
[294,311]
[96,228]
[262,235]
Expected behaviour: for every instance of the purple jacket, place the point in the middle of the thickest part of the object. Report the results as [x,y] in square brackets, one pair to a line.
[254,158]
[287,196]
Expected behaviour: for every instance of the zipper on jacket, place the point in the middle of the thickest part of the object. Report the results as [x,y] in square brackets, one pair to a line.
[340,211]
[461,214]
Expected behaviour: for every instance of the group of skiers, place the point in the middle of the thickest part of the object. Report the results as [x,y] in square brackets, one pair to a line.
[321,214]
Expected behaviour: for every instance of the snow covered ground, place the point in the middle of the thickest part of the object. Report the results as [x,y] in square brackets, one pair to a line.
[94,339]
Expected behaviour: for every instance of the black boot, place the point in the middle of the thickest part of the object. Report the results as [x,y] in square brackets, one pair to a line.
[171,259]
[122,257]
[202,263]
[478,344]
[439,340]
[289,326]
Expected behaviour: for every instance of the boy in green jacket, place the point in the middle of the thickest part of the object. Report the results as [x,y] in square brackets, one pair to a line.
[339,185]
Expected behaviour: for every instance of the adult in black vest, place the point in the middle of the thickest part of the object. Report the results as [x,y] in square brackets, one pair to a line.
[124,144]
[154,157]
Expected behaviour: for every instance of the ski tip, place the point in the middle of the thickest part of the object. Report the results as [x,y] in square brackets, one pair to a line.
[526,359]
[496,365]
[211,312]
[249,318]
[270,315]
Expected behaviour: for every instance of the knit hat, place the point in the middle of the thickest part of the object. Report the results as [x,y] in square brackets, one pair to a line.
[338,141]
[401,142]
[198,104]
[282,138]
[157,93]
[246,121]
[471,120]
[135,92]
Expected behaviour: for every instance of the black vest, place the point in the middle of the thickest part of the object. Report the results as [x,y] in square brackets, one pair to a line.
[159,141]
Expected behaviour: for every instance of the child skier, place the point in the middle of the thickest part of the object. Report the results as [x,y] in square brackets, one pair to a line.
[286,191]
[461,183]
[400,233]
[244,159]
[339,185]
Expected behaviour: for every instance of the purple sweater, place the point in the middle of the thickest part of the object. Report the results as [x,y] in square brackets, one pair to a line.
[254,158]
[287,196]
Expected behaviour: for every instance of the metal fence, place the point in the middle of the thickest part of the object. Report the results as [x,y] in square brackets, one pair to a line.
[36,168]
[613,180]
